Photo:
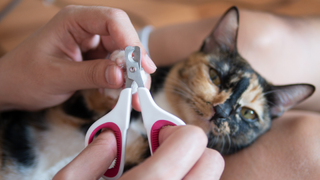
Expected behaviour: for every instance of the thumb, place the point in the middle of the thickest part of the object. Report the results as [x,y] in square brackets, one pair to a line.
[93,161]
[101,73]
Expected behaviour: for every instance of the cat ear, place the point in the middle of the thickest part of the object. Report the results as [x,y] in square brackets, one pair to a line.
[224,36]
[285,97]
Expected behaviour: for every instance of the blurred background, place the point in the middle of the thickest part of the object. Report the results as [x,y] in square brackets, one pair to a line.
[20,18]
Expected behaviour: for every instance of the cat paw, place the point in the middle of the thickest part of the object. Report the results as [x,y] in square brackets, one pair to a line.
[118,56]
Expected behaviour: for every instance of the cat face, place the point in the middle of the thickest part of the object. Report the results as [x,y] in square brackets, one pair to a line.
[218,90]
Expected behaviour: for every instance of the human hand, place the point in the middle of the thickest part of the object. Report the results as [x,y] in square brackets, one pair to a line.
[48,67]
[182,154]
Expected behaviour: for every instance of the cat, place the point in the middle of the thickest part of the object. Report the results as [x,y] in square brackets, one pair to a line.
[219,91]
[215,89]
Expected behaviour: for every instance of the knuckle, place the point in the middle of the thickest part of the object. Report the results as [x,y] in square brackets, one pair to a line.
[215,156]
[214,160]
[66,13]
[117,13]
[198,134]
[68,9]
[91,75]
[106,140]
[137,42]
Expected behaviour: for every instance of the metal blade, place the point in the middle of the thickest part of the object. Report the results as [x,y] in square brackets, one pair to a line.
[133,64]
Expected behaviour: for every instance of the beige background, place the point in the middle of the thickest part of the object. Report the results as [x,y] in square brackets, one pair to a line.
[29,15]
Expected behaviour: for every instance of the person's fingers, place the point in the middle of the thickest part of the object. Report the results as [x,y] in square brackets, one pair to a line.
[209,166]
[135,102]
[105,73]
[71,76]
[93,161]
[181,147]
[85,22]
[147,64]
[135,97]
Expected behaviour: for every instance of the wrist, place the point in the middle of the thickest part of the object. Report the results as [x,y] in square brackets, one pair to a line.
[168,45]
[144,34]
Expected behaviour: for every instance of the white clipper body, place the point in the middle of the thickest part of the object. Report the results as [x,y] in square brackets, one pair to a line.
[118,121]
[154,118]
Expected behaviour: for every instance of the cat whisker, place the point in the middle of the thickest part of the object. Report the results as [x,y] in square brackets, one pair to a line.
[211,138]
[183,85]
[268,92]
[229,140]
[215,140]
[175,80]
[185,92]
[180,92]
[270,102]
[223,142]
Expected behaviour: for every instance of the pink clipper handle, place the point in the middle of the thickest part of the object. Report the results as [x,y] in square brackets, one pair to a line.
[118,121]
[154,118]
[110,173]
[154,133]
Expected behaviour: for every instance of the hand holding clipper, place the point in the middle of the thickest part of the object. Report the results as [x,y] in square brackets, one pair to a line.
[118,119]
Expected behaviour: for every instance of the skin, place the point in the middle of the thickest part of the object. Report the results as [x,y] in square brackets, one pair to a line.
[287,151]
[174,144]
[285,46]
[48,67]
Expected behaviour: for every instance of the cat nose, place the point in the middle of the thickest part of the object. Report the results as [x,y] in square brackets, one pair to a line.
[222,111]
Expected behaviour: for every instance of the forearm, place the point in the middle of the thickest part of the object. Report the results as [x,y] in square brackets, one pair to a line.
[282,49]
[173,43]
[288,151]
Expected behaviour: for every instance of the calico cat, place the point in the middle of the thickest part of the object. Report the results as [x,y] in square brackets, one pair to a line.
[214,88]
[219,91]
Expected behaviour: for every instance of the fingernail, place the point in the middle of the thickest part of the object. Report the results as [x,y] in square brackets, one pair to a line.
[113,75]
[150,63]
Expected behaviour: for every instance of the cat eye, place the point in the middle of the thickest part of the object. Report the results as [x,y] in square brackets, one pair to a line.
[214,77]
[248,114]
